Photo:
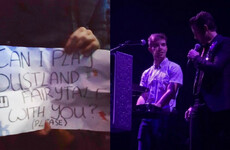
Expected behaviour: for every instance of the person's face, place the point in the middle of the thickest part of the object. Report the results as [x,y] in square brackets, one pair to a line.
[198,35]
[158,48]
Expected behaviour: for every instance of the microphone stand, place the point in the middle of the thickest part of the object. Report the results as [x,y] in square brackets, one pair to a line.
[119,46]
[127,43]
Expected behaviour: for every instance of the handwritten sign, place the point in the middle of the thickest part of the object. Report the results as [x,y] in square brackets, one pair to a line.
[41,85]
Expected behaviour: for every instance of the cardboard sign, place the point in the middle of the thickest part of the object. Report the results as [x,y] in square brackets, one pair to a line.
[46,84]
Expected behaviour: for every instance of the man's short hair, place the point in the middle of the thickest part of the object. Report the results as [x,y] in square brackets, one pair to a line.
[157,36]
[201,19]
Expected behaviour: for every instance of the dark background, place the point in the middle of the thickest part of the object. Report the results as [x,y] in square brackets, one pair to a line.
[137,19]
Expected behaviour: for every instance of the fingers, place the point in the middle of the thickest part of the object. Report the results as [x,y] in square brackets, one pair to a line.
[83,41]
[89,49]
[192,54]
[188,54]
[44,131]
[157,105]
[187,115]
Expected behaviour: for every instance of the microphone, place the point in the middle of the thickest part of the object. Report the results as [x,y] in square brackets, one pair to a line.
[141,42]
[196,48]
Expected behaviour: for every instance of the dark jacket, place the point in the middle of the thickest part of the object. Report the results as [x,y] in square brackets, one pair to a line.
[49,23]
[215,89]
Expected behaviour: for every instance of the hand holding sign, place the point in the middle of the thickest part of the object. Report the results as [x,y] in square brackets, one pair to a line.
[82,40]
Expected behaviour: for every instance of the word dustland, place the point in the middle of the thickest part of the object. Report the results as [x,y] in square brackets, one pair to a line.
[36,79]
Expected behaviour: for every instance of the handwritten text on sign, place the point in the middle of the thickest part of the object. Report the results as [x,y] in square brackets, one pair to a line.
[45,84]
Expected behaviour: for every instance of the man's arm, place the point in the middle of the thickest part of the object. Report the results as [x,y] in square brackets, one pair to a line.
[142,99]
[168,95]
[222,57]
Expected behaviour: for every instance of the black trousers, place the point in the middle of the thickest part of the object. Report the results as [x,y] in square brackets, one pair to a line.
[209,130]
[159,133]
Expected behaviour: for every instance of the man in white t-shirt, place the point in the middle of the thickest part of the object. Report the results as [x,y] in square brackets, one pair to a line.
[163,80]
